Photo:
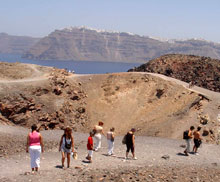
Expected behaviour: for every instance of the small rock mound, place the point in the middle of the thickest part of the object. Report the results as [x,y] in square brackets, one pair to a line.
[201,71]
[54,104]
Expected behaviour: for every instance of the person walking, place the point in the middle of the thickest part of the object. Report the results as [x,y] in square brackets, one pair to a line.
[90,147]
[98,130]
[130,143]
[66,146]
[34,147]
[110,140]
[188,140]
[197,140]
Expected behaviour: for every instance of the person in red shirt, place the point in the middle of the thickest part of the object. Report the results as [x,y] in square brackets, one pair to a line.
[90,146]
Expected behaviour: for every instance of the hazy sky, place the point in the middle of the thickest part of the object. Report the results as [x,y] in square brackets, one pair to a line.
[158,18]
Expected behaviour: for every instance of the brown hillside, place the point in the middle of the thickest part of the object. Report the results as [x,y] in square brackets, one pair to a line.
[202,71]
[153,105]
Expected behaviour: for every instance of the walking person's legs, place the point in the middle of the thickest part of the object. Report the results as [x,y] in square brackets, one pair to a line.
[68,160]
[110,147]
[89,157]
[96,142]
[63,158]
[37,158]
[32,156]
[188,145]
[133,152]
[98,138]
[127,151]
[194,148]
[187,150]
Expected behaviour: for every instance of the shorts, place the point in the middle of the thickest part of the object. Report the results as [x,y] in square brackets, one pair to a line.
[130,147]
[90,152]
[65,150]
[197,143]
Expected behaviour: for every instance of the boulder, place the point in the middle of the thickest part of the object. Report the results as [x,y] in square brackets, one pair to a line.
[57,90]
[205,132]
[204,119]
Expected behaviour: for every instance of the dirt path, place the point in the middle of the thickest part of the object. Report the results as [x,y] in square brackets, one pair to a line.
[206,92]
[200,90]
[149,151]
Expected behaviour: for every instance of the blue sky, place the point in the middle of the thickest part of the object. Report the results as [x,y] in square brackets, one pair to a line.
[181,19]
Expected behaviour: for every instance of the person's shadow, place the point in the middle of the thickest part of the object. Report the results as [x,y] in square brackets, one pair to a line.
[86,161]
[121,157]
[181,154]
[59,166]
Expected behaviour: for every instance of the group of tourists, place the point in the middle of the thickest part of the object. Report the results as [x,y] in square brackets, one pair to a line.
[66,146]
[97,133]
[190,134]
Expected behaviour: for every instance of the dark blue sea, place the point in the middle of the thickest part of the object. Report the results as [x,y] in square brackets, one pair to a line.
[80,67]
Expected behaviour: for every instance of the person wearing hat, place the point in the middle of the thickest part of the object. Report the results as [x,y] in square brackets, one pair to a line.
[130,143]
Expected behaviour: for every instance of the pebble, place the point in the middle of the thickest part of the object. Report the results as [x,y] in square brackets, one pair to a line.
[165,157]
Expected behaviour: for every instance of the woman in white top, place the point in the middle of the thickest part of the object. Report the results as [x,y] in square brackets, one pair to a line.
[98,129]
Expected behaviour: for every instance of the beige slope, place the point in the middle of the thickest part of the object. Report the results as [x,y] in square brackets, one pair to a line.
[128,100]
[156,105]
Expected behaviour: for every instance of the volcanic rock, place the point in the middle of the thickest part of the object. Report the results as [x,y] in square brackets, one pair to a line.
[201,71]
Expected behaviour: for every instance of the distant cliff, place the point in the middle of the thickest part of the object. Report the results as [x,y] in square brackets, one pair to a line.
[15,44]
[96,45]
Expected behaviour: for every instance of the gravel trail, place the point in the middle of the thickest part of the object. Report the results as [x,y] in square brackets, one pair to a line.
[149,151]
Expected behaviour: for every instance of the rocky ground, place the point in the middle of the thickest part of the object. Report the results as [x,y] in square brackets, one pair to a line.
[152,103]
[156,105]
[41,95]
[202,71]
[159,159]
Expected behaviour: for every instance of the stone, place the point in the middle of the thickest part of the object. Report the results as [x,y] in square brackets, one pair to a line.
[215,164]
[81,110]
[57,90]
[205,132]
[166,157]
[75,97]
[204,119]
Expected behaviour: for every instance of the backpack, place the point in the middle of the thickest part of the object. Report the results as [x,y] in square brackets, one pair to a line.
[186,135]
[124,139]
[67,145]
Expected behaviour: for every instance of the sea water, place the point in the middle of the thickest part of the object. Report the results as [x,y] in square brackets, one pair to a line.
[79,67]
